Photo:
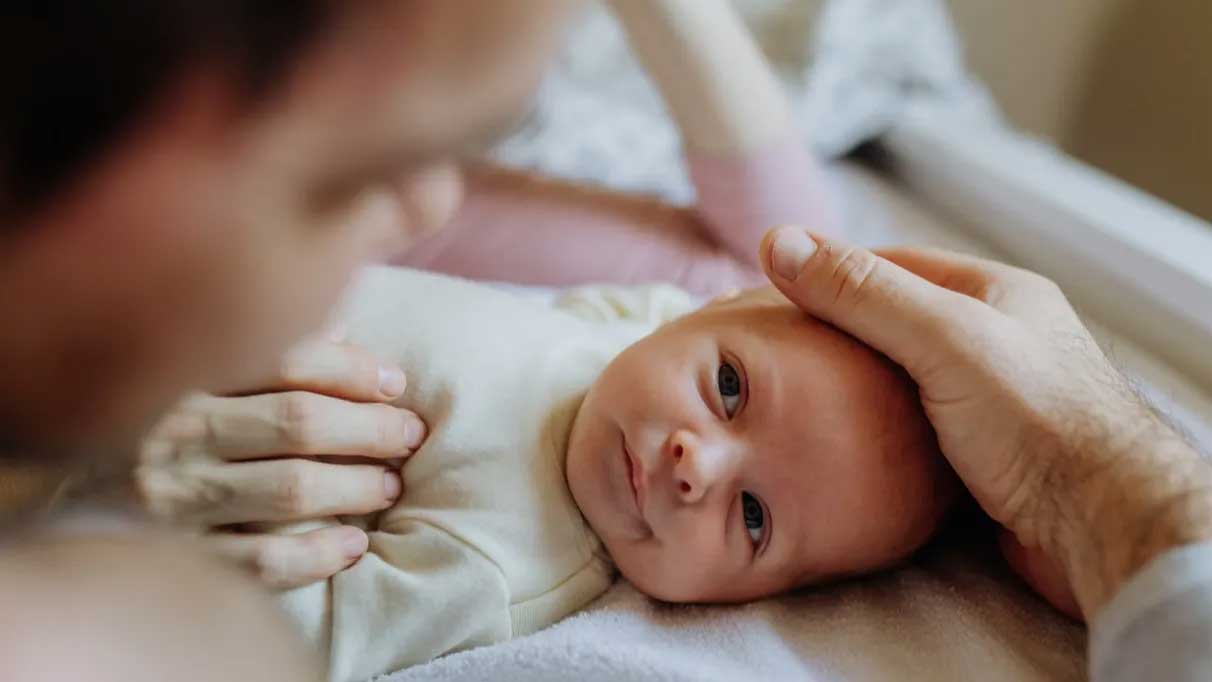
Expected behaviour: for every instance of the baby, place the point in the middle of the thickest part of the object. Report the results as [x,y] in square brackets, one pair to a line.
[745,450]
[719,455]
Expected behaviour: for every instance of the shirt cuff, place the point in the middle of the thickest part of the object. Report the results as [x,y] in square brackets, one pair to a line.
[1161,580]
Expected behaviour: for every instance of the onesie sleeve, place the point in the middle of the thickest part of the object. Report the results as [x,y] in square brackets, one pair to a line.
[651,305]
[418,593]
[526,229]
[1159,625]
[521,228]
[741,196]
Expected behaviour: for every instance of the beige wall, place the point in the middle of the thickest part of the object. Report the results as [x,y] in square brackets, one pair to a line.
[1123,84]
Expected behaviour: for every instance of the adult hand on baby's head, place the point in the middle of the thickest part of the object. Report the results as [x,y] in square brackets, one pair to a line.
[207,462]
[1046,434]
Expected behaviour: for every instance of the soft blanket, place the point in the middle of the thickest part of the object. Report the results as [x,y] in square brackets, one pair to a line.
[954,614]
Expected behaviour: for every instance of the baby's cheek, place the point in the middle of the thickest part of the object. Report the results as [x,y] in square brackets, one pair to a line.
[650,569]
[677,573]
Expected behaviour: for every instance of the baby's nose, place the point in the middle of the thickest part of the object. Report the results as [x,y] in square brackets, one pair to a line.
[697,465]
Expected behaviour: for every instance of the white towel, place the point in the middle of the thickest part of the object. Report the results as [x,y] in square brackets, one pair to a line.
[954,614]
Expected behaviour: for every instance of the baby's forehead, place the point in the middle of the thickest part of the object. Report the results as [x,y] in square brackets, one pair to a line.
[759,323]
[768,328]
[755,310]
[759,296]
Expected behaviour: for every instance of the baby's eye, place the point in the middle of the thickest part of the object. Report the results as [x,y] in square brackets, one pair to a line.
[755,518]
[728,380]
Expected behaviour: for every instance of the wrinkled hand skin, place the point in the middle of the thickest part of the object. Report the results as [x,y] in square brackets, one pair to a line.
[1144,492]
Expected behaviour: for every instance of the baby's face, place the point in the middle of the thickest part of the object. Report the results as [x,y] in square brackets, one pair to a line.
[746,449]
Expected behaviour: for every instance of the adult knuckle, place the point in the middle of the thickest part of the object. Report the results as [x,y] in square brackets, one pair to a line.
[294,494]
[941,325]
[964,326]
[293,560]
[1037,297]
[321,552]
[155,450]
[272,561]
[149,491]
[293,369]
[180,492]
[1046,282]
[363,368]
[389,429]
[299,421]
[1037,282]
[855,274]
[1014,277]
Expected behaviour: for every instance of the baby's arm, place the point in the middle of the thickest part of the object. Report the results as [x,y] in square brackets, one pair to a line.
[523,228]
[716,83]
[748,162]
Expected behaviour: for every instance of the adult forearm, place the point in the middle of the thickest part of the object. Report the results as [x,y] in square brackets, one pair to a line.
[1135,489]
[712,75]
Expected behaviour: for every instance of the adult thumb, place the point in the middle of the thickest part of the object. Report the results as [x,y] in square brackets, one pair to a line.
[887,307]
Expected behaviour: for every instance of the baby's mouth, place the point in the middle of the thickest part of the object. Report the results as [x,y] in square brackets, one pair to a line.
[635,478]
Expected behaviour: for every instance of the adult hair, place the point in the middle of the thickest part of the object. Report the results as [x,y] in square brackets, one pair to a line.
[77,74]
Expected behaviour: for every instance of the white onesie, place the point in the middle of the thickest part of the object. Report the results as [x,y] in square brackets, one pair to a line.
[486,542]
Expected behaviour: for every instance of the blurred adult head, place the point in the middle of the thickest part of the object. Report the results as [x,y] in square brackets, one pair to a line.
[185,186]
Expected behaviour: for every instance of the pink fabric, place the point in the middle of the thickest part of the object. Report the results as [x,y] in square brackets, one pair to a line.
[531,230]
[740,198]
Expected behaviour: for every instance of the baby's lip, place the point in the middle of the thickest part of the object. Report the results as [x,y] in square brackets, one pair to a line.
[635,478]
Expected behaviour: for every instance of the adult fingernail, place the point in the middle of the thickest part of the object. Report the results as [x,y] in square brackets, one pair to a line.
[391,381]
[791,249]
[414,431]
[392,485]
[355,543]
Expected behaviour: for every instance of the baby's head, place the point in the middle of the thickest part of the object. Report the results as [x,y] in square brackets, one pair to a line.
[747,449]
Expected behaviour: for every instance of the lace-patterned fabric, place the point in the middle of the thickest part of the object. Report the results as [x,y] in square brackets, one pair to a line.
[599,119]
